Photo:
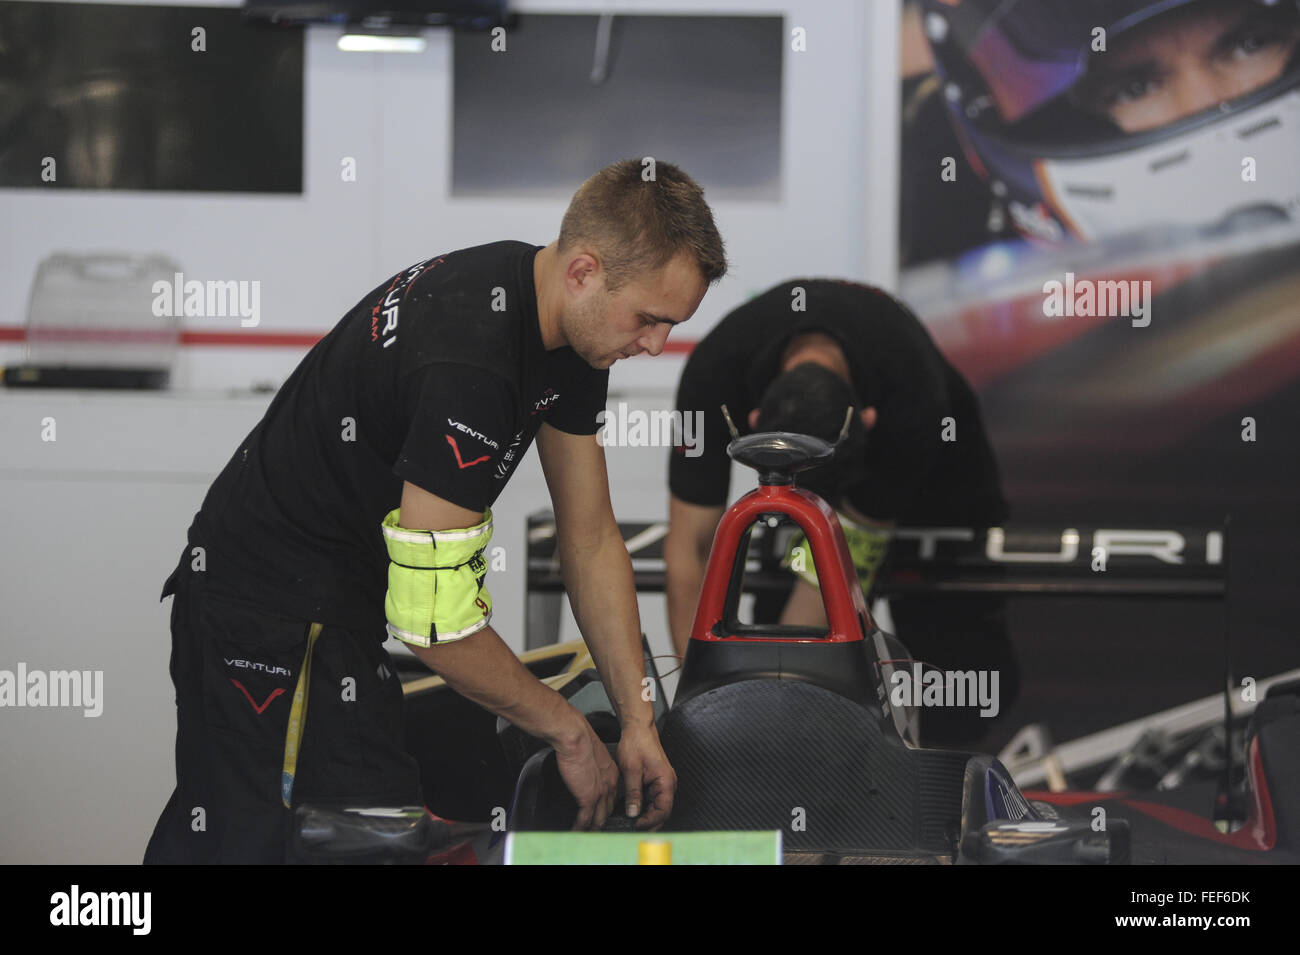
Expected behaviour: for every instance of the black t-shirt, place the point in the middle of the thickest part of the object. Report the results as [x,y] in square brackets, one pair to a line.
[438,377]
[912,474]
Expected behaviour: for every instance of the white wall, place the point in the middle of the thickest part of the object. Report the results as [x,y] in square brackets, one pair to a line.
[316,254]
[94,520]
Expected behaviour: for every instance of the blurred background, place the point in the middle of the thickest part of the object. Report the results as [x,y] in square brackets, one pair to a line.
[960,153]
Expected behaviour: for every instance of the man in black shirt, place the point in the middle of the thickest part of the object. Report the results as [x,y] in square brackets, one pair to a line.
[793,359]
[359,507]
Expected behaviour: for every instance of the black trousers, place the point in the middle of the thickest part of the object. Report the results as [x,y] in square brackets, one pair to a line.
[950,633]
[235,668]
[959,633]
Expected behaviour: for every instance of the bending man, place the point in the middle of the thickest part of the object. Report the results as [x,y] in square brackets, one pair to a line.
[360,506]
[793,359]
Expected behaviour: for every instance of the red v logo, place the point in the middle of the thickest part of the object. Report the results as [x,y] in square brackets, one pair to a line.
[462,464]
[265,703]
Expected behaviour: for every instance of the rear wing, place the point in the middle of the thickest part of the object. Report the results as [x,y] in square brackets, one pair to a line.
[1084,560]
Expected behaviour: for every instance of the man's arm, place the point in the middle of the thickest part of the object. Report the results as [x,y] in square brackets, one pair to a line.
[483,669]
[598,578]
[686,553]
[805,607]
[699,477]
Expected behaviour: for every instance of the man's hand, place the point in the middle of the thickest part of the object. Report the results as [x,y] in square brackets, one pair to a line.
[598,578]
[591,777]
[647,776]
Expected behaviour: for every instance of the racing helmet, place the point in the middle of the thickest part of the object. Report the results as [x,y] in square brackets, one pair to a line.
[1012,76]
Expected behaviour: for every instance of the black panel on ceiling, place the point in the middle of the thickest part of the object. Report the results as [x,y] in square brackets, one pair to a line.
[119,97]
[571,94]
[464,14]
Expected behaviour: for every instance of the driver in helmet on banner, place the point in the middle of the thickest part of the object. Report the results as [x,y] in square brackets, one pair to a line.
[1113,141]
[1093,120]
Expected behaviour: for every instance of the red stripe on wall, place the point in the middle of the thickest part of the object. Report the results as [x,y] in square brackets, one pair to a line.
[100,336]
[18,333]
[252,339]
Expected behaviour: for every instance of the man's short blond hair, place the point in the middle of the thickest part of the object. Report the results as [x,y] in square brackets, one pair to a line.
[637,224]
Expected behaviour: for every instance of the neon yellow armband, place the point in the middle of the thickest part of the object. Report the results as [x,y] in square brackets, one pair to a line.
[867,546]
[435,582]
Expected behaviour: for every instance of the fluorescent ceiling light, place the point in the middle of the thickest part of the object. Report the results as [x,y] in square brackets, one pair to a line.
[371,43]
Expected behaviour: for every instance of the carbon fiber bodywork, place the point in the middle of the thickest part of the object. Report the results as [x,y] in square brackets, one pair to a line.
[788,755]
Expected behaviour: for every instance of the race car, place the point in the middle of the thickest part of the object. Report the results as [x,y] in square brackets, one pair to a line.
[799,731]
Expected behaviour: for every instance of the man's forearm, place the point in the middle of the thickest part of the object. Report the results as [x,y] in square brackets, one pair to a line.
[483,669]
[691,528]
[682,579]
[685,560]
[602,591]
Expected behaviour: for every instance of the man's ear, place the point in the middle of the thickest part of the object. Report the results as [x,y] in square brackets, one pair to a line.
[583,267]
[868,418]
[753,420]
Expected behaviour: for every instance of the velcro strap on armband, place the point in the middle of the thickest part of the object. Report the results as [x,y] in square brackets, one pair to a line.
[435,582]
[867,546]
